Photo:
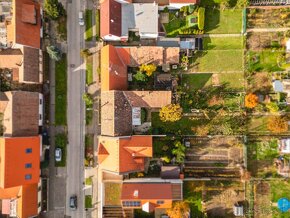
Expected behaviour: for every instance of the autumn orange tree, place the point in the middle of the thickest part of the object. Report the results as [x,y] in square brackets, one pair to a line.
[171,113]
[179,210]
[251,100]
[277,124]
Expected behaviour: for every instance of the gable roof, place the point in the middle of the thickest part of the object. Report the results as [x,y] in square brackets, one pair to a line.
[26,23]
[113,68]
[125,154]
[30,64]
[183,1]
[116,108]
[111,16]
[162,191]
[20,113]
[116,114]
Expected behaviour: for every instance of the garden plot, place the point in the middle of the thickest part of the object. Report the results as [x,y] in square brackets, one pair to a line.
[260,82]
[268,18]
[265,195]
[215,198]
[264,40]
[217,157]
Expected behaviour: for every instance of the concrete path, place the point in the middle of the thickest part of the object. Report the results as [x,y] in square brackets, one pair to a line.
[221,35]
[263,30]
[75,109]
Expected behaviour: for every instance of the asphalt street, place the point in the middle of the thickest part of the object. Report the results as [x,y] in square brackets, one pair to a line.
[75,110]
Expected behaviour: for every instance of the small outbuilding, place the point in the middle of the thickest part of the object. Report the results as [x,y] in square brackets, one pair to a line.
[238,209]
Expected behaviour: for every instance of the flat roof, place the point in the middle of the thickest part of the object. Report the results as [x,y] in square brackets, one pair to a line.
[143,17]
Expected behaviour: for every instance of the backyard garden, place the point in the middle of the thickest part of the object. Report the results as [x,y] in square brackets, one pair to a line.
[212,198]
[268,18]
[220,55]
[186,21]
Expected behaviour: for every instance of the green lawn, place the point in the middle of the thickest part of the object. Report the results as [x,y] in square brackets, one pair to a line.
[263,61]
[234,80]
[279,189]
[222,43]
[89,71]
[60,91]
[196,81]
[89,25]
[219,61]
[88,201]
[112,194]
[97,23]
[226,21]
[181,127]
[61,142]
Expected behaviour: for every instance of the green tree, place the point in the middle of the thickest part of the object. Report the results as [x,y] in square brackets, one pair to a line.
[171,113]
[53,9]
[140,76]
[179,152]
[272,107]
[53,52]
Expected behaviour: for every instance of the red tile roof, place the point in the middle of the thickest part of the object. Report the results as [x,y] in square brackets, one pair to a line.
[158,191]
[111,16]
[27,32]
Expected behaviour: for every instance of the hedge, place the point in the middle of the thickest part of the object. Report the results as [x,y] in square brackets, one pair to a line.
[201,12]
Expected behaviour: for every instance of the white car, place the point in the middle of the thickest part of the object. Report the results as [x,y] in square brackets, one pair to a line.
[58,154]
[81,18]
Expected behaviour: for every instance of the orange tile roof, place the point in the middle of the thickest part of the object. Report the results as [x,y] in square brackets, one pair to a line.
[28,207]
[23,23]
[111,17]
[113,68]
[26,199]
[125,154]
[146,191]
[13,159]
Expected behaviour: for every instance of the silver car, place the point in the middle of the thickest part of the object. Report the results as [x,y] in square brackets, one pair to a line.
[58,154]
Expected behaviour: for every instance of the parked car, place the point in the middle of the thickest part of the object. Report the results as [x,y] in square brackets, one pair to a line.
[58,154]
[73,202]
[81,18]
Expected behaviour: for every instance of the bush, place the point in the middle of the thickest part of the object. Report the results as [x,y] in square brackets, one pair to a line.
[272,107]
[200,16]
[53,9]
[140,76]
[54,53]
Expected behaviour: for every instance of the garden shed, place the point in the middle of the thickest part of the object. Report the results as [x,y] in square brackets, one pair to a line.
[170,172]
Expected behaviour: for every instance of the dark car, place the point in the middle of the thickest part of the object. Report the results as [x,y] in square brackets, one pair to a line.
[73,202]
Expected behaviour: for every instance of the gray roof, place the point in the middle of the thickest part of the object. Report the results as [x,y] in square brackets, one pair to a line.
[143,17]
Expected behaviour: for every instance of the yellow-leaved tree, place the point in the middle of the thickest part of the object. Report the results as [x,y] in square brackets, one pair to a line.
[171,113]
[277,124]
[179,210]
[148,69]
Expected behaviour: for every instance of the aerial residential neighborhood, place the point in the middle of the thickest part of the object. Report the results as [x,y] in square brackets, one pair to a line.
[145,108]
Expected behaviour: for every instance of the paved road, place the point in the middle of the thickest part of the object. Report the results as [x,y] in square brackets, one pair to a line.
[75,110]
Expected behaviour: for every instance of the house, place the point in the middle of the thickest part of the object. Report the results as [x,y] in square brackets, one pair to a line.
[120,17]
[121,110]
[25,26]
[20,161]
[116,60]
[19,176]
[24,62]
[22,113]
[150,194]
[123,155]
